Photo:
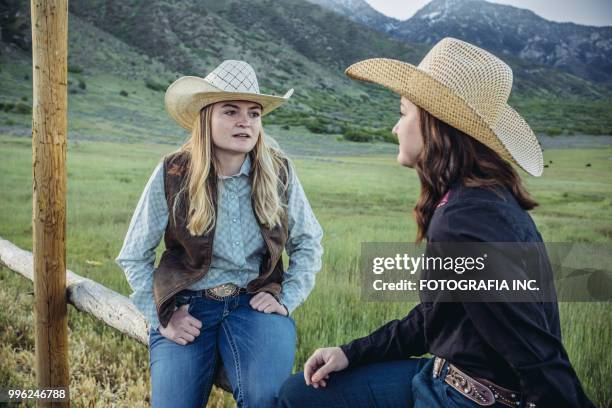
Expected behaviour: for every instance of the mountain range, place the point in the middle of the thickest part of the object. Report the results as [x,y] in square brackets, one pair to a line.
[581,50]
[124,53]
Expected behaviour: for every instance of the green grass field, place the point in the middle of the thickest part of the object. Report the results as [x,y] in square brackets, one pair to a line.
[356,198]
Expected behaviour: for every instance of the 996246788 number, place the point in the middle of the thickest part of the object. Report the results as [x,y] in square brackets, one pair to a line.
[43,394]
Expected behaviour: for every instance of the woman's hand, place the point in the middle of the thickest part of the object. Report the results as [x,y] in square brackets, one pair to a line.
[265,302]
[323,362]
[182,328]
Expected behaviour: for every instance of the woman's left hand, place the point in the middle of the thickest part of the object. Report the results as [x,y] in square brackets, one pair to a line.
[265,302]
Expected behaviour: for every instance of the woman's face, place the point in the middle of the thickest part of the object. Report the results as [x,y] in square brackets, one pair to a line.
[235,126]
[408,132]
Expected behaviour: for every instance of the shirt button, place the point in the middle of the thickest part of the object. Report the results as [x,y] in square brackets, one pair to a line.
[236,243]
[235,220]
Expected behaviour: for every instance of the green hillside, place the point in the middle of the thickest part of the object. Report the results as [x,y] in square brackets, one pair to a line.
[124,53]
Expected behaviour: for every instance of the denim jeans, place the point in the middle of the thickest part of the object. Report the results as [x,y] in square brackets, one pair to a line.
[256,349]
[402,383]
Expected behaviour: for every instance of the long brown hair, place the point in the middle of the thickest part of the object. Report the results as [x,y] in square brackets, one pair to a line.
[450,156]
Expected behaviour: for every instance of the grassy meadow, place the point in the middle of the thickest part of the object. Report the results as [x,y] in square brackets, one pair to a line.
[356,196]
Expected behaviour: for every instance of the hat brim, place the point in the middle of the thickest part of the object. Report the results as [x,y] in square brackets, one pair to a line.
[511,137]
[186,96]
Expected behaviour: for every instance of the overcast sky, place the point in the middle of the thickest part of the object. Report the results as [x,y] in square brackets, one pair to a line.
[589,12]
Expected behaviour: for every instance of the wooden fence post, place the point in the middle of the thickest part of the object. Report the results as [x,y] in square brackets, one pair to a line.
[49,129]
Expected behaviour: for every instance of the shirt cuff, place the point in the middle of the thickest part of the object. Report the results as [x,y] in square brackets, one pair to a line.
[145,303]
[290,303]
[153,323]
[351,353]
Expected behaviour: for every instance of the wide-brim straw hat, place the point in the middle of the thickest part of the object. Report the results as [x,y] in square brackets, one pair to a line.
[231,81]
[466,87]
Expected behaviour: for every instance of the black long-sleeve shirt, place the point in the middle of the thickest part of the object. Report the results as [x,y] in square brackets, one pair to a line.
[515,345]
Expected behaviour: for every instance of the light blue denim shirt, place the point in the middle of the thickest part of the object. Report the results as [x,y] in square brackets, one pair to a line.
[238,246]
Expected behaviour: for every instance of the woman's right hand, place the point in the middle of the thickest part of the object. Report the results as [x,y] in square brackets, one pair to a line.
[182,328]
[323,362]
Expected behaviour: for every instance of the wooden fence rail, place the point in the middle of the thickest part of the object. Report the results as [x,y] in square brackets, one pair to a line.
[88,296]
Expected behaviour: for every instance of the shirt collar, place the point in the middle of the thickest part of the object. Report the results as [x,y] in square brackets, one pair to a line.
[245,169]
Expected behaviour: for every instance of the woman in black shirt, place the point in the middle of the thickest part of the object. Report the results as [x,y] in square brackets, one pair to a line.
[457,131]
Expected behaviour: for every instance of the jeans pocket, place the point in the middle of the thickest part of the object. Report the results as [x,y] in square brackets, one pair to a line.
[154,337]
[182,300]
[192,301]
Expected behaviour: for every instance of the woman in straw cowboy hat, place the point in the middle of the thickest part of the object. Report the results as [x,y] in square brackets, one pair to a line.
[457,130]
[227,204]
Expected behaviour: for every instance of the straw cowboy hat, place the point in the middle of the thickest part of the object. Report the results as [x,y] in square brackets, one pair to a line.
[466,87]
[230,81]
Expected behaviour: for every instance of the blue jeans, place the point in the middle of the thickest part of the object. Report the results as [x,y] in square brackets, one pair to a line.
[256,349]
[402,383]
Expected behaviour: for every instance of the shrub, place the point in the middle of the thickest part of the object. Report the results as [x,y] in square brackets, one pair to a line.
[357,135]
[315,127]
[22,108]
[156,86]
[82,84]
[322,125]
[384,135]
[123,93]
[388,137]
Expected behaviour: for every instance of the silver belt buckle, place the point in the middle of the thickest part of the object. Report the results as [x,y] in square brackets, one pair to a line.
[223,291]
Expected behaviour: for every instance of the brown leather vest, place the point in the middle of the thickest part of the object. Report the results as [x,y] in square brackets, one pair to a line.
[187,258]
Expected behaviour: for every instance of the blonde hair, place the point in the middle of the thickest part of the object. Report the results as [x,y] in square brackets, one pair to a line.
[267,166]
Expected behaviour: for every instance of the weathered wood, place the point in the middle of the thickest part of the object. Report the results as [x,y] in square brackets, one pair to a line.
[86,295]
[49,128]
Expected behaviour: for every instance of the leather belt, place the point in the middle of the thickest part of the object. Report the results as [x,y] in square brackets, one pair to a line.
[220,292]
[481,391]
